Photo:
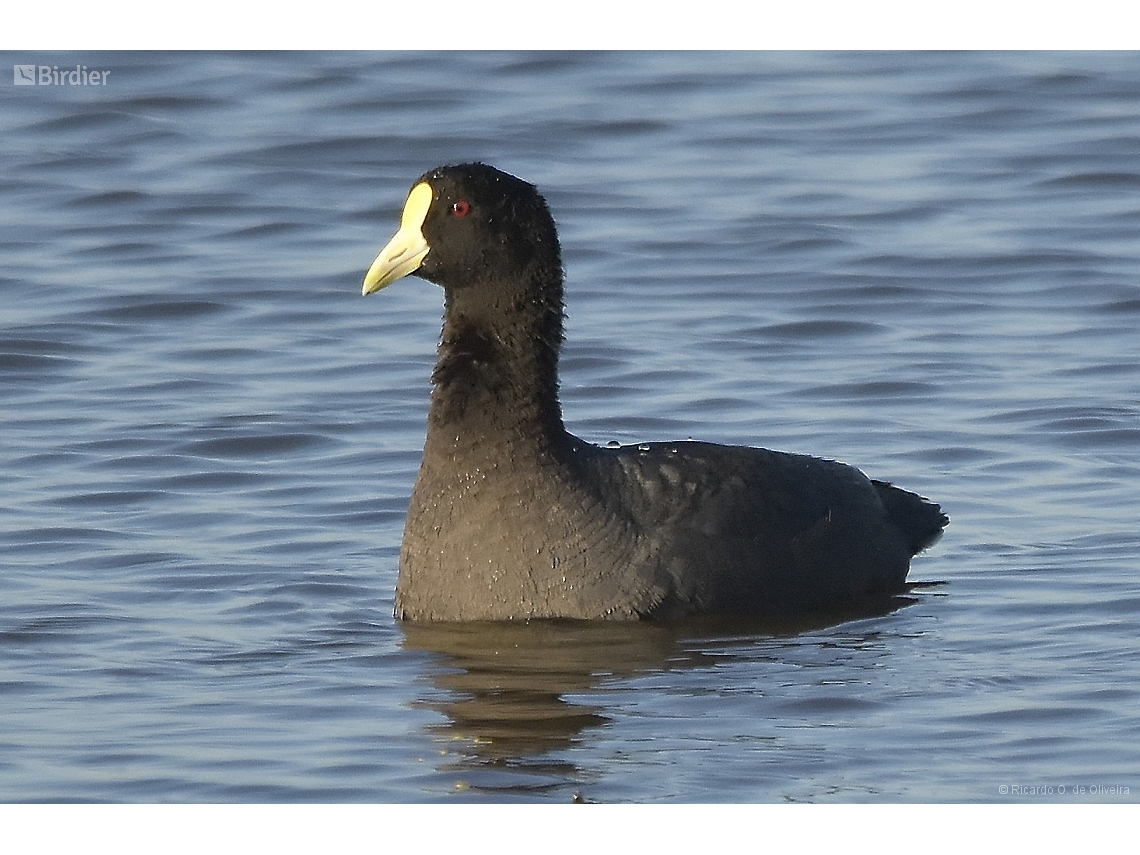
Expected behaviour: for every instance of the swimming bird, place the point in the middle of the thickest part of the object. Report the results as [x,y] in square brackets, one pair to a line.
[513,518]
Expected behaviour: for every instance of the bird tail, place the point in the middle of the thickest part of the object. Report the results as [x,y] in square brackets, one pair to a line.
[920,520]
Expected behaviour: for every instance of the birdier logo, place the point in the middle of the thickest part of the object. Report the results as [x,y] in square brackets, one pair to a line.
[51,75]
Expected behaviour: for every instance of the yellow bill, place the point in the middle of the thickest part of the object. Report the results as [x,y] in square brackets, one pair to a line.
[405,252]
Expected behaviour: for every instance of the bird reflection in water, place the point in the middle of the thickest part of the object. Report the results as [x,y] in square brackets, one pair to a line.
[515,696]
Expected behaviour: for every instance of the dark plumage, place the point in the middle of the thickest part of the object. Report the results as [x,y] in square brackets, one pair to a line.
[512,517]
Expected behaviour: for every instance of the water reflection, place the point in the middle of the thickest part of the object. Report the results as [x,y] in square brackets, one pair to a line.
[514,694]
[511,691]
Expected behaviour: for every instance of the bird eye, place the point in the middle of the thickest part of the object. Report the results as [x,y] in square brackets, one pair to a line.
[460,208]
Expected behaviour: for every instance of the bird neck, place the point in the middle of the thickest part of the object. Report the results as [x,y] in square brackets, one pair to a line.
[496,379]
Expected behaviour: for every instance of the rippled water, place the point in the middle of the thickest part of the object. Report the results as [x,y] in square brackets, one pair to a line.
[925,265]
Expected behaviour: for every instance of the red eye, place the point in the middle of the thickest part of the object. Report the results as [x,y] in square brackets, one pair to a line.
[461,208]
